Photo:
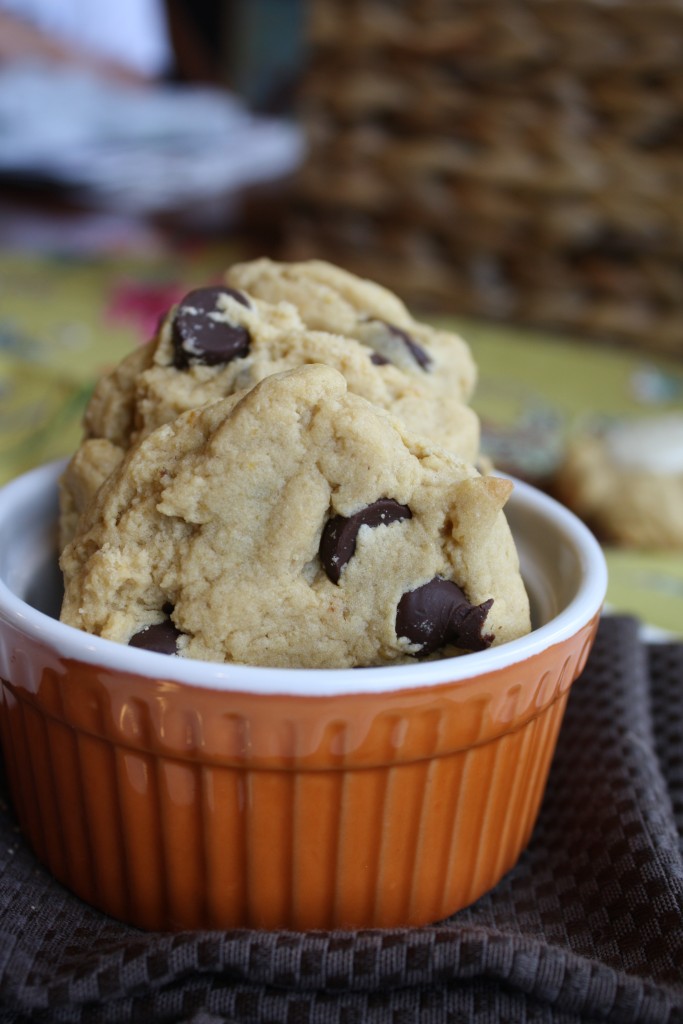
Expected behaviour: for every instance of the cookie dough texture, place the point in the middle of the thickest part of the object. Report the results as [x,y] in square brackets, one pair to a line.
[295,315]
[216,518]
[626,481]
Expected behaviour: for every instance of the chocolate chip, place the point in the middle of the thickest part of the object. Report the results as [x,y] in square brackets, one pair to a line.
[338,541]
[438,613]
[416,351]
[378,359]
[199,338]
[162,638]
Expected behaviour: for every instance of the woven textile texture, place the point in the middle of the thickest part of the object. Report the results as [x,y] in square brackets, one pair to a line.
[588,926]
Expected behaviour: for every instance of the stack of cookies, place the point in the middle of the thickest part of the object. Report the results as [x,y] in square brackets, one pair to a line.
[520,161]
[285,475]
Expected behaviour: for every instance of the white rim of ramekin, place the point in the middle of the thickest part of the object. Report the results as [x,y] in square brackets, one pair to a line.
[74,644]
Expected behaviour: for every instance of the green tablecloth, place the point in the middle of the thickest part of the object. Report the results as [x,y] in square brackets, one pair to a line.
[64,321]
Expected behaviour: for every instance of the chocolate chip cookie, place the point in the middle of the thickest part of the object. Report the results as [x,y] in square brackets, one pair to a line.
[626,481]
[330,299]
[276,317]
[294,524]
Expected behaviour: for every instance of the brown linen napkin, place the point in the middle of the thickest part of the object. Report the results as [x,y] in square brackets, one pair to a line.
[587,927]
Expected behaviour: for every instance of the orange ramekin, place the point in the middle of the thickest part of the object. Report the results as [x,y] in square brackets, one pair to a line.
[178,794]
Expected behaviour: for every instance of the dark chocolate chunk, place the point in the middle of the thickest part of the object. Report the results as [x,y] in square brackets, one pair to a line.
[338,541]
[438,613]
[162,638]
[378,359]
[199,338]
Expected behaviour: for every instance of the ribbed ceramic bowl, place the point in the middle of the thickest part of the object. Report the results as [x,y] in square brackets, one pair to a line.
[179,794]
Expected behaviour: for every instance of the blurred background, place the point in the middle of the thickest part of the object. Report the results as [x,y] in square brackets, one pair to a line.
[512,168]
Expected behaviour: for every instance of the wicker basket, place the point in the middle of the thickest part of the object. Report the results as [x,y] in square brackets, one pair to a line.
[519,160]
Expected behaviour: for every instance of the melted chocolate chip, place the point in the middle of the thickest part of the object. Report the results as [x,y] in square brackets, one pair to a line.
[438,613]
[162,638]
[199,338]
[338,541]
[416,351]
